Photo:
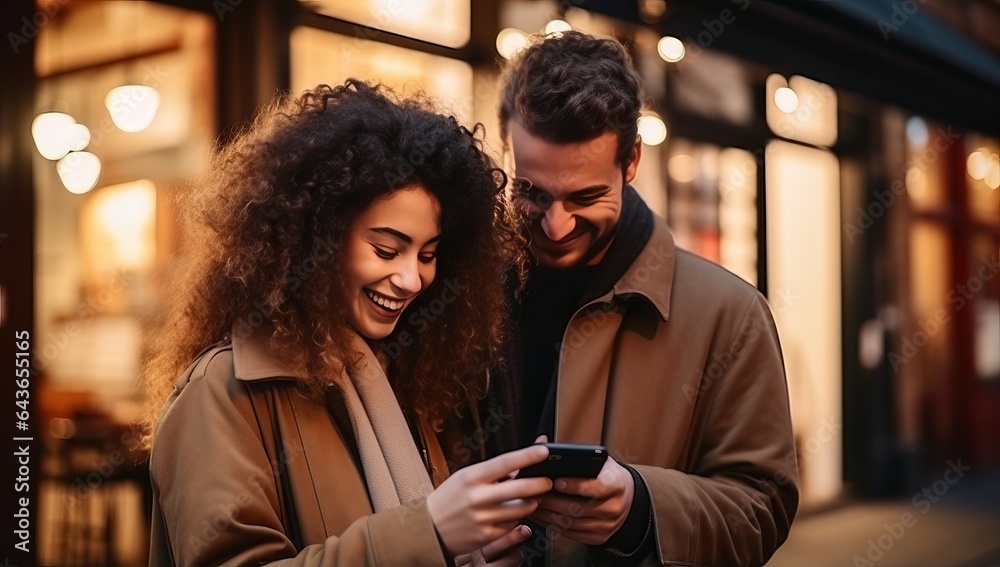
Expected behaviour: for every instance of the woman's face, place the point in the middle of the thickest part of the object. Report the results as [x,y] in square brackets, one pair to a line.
[389,257]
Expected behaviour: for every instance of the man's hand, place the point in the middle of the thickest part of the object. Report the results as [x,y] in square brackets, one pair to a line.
[589,510]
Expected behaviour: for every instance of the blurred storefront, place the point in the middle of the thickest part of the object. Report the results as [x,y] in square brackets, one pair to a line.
[840,156]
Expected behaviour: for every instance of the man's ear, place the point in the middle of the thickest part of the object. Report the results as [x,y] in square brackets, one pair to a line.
[507,152]
[633,165]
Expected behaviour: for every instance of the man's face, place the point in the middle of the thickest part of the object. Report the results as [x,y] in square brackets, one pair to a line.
[571,194]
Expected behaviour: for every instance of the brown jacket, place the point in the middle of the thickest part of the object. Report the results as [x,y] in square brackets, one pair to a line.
[250,472]
[679,372]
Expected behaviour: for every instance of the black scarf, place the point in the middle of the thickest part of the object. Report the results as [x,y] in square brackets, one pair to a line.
[550,299]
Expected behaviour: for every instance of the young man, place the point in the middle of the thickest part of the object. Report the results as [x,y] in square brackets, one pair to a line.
[670,361]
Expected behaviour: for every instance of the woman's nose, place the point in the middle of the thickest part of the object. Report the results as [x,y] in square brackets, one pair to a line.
[407,277]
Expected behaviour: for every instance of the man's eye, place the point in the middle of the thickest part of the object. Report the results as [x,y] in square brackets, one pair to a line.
[589,200]
[536,197]
[384,254]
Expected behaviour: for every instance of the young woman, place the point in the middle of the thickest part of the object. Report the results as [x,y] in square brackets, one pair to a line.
[345,297]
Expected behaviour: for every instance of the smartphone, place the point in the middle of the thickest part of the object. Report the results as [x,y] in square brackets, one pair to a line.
[569,460]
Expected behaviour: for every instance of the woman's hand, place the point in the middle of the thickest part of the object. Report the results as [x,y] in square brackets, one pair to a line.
[504,552]
[472,508]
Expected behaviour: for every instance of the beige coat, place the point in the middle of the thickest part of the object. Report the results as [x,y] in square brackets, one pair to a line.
[251,472]
[679,372]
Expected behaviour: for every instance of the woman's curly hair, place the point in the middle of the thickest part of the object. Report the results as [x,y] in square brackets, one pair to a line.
[266,230]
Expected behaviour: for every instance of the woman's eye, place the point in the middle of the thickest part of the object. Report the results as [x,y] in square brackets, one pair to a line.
[428,258]
[384,254]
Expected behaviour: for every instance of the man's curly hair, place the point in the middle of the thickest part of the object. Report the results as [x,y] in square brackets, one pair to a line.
[267,227]
[572,87]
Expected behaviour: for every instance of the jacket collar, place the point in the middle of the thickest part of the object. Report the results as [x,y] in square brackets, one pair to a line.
[651,275]
[255,359]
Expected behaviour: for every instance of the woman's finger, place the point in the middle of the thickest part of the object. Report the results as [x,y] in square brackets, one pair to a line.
[500,466]
[517,488]
[512,558]
[512,540]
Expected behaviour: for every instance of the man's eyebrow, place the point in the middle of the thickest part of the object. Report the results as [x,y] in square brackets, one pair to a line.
[578,192]
[400,235]
[591,189]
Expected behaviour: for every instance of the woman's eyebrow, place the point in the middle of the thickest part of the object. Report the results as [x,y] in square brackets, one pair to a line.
[392,232]
[400,235]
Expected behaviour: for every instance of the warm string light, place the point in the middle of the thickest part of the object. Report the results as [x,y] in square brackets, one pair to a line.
[60,138]
[670,49]
[132,107]
[510,41]
[652,130]
[57,134]
[79,171]
[984,165]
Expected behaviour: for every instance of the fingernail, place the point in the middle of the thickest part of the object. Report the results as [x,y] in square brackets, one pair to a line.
[525,531]
[560,485]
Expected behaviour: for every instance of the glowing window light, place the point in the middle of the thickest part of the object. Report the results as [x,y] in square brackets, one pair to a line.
[813,118]
[670,49]
[682,168]
[132,107]
[444,22]
[126,215]
[79,171]
[916,131]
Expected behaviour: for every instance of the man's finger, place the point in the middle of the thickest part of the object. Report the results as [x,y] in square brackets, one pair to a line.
[565,504]
[583,487]
[585,536]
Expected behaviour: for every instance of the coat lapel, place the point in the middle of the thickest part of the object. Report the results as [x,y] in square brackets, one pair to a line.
[590,342]
[584,368]
[338,496]
[326,489]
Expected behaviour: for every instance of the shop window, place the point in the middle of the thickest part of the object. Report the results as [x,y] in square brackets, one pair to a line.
[713,204]
[925,180]
[444,22]
[804,290]
[953,181]
[319,57]
[983,178]
[109,165]
[801,109]
[984,286]
[738,213]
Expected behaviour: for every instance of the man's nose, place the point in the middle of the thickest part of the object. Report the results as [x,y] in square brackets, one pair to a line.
[557,222]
